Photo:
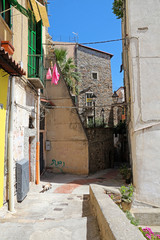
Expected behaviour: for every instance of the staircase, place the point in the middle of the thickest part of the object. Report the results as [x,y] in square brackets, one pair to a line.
[51,216]
[148,217]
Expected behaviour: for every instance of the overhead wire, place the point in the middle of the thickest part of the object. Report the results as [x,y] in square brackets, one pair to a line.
[85,43]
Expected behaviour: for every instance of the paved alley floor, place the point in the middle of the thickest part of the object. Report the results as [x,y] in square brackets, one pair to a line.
[63,212]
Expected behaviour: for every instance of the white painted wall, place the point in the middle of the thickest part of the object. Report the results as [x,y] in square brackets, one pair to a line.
[144,66]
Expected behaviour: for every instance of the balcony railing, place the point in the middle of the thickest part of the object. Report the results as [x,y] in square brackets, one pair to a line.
[36,67]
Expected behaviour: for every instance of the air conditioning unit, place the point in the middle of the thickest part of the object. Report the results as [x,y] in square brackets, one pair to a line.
[22,179]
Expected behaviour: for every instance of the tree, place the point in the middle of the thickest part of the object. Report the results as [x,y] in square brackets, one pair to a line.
[68,69]
[118,8]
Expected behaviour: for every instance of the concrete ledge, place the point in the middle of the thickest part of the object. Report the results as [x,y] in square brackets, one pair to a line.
[112,221]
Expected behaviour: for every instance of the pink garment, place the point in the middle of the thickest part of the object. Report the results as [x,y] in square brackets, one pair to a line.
[49,75]
[55,75]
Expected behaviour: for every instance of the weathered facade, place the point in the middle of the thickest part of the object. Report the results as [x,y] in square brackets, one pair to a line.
[141,54]
[20,110]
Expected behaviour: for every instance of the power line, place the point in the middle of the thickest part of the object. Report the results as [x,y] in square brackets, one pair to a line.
[115,40]
[66,44]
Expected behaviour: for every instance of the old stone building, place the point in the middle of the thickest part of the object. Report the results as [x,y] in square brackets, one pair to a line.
[95,87]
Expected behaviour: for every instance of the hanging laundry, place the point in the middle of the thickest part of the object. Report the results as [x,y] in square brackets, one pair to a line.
[55,75]
[49,75]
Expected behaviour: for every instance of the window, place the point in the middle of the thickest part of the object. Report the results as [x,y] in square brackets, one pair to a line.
[31,47]
[90,121]
[42,119]
[31,125]
[89,99]
[94,75]
[35,58]
[4,5]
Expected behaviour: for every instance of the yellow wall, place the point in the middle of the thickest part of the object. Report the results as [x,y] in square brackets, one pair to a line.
[3,100]
[5,33]
[69,143]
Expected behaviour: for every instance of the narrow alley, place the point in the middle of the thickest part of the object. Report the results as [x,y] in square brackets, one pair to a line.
[63,211]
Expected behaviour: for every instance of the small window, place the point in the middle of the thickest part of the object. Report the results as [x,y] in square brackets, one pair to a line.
[90,120]
[31,122]
[94,75]
[42,119]
[89,99]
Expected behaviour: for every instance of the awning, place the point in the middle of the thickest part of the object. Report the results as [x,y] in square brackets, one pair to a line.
[19,7]
[35,10]
[9,65]
[47,103]
[43,14]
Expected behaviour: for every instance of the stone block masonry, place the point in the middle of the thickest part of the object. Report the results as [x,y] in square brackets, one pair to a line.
[100,148]
[91,61]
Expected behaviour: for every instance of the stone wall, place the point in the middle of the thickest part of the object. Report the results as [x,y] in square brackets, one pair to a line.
[88,62]
[100,148]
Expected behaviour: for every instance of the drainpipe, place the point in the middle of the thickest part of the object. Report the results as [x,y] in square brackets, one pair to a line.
[38,144]
[10,147]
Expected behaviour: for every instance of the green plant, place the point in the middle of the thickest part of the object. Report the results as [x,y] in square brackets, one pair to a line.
[98,123]
[127,193]
[133,221]
[118,8]
[148,234]
[68,69]
[125,171]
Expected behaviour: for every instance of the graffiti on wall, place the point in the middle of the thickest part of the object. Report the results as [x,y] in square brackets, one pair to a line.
[58,164]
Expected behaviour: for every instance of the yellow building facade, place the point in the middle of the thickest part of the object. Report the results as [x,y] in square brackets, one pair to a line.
[3,107]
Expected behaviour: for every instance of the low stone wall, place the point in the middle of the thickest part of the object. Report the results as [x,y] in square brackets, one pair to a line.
[100,148]
[112,221]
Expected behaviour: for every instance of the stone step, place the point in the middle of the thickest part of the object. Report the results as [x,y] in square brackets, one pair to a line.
[147,216]
[48,230]
[155,229]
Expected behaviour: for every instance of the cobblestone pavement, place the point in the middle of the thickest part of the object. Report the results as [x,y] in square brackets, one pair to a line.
[61,212]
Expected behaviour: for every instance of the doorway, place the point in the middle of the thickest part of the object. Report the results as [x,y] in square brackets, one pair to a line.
[41,153]
[30,142]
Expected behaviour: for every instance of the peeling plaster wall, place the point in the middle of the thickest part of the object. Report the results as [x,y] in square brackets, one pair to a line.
[144,61]
[25,106]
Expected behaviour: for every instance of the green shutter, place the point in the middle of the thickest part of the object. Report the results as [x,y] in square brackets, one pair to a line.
[31,47]
[21,9]
[3,9]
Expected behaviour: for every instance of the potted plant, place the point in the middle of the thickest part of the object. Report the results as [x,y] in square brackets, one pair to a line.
[7,47]
[126,173]
[126,197]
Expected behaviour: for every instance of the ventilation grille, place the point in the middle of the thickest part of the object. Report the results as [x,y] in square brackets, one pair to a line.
[22,179]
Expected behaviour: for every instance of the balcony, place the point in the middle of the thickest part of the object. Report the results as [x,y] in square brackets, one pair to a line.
[36,73]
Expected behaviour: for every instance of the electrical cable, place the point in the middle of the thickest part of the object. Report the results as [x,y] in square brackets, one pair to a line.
[66,44]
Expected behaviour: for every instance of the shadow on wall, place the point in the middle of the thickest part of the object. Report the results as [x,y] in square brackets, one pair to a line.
[110,120]
[100,148]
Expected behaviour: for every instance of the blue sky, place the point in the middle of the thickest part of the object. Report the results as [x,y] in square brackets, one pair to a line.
[93,21]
